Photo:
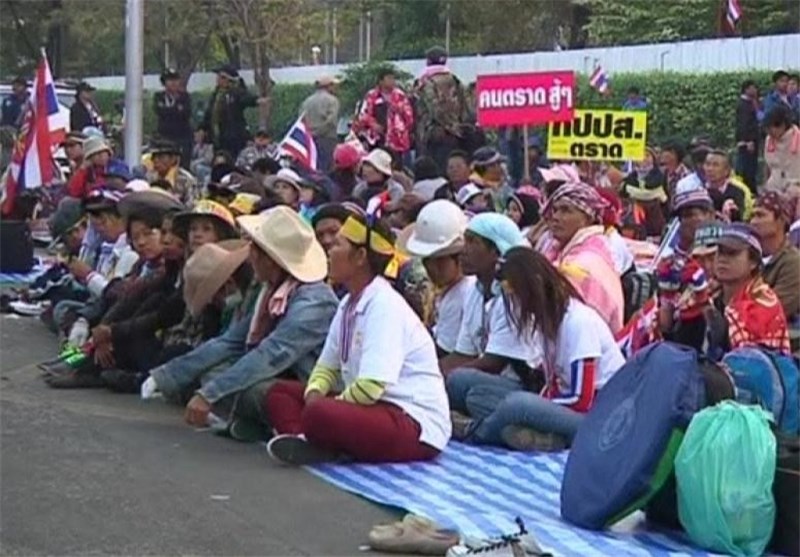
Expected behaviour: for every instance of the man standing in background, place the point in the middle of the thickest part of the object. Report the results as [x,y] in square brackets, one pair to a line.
[14,104]
[747,135]
[321,111]
[173,108]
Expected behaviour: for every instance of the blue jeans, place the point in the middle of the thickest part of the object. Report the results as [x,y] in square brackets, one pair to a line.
[526,409]
[495,402]
[477,393]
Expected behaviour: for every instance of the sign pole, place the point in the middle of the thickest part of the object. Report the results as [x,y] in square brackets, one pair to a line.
[527,168]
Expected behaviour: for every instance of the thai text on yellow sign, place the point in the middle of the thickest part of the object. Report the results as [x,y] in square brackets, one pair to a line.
[610,135]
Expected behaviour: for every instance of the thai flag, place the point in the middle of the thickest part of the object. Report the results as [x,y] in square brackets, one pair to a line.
[599,80]
[299,144]
[733,13]
[640,330]
[43,129]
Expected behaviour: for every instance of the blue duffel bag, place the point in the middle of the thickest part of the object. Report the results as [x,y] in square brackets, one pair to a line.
[625,447]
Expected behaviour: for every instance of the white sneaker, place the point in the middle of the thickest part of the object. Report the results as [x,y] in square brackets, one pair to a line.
[33,309]
[149,389]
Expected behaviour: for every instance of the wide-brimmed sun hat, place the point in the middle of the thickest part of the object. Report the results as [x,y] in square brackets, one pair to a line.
[208,269]
[94,145]
[289,240]
[150,200]
[203,208]
[380,160]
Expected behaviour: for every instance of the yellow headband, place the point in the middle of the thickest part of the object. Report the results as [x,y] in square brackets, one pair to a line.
[356,232]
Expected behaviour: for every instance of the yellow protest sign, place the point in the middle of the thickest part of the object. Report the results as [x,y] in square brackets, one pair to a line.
[608,135]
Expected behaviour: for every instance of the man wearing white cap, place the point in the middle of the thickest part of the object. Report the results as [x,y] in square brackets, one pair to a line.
[321,110]
[283,333]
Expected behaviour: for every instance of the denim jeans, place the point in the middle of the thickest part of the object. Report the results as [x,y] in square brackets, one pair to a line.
[477,393]
[495,402]
[526,409]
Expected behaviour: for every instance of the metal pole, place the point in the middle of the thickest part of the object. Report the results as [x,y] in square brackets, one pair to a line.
[361,37]
[327,48]
[369,35]
[134,48]
[447,29]
[335,38]
[527,166]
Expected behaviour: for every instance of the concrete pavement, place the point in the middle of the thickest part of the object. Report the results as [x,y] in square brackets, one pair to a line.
[95,473]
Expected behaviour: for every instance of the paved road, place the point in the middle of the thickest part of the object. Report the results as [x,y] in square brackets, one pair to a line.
[94,473]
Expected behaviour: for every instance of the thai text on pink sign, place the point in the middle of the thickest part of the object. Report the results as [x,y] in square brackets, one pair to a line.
[525,98]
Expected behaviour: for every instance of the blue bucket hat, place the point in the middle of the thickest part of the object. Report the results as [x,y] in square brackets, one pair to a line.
[498,229]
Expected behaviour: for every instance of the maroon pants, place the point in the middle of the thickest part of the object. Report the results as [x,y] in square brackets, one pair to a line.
[378,433]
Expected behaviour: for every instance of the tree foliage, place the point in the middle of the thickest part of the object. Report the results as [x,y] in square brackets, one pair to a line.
[619,22]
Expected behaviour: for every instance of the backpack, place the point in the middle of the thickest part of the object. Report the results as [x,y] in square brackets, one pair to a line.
[725,471]
[767,378]
[662,509]
[624,449]
[441,102]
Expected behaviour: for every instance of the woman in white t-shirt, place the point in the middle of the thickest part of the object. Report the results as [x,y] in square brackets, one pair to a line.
[579,356]
[376,393]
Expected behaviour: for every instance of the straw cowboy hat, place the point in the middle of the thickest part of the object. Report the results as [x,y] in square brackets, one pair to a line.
[289,241]
[208,269]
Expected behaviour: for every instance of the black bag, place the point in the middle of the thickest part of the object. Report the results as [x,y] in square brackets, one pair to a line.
[663,507]
[16,247]
[637,288]
[786,489]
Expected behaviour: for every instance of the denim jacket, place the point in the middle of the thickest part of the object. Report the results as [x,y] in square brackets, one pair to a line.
[294,344]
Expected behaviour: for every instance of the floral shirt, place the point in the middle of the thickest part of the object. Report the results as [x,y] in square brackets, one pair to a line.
[391,111]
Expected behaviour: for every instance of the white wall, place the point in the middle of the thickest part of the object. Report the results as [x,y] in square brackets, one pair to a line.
[713,55]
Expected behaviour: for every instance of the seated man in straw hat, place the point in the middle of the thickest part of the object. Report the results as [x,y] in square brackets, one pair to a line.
[283,333]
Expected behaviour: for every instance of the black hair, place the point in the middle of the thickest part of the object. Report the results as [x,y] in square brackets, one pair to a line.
[746,84]
[552,186]
[720,153]
[540,294]
[781,116]
[699,155]
[778,75]
[529,207]
[266,165]
[425,168]
[794,77]
[335,211]
[458,153]
[377,261]
[674,147]
[243,277]
[383,72]
[633,91]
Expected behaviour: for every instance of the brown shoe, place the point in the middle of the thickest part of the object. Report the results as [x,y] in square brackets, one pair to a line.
[521,438]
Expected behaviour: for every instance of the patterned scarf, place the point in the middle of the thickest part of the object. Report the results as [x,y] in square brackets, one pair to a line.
[271,305]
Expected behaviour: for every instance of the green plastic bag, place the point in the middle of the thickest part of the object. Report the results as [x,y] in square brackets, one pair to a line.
[724,470]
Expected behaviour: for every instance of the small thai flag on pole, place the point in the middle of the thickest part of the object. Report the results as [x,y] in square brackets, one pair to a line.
[733,13]
[43,129]
[299,144]
[599,80]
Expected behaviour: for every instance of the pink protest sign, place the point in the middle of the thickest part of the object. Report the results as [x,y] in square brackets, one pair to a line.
[525,98]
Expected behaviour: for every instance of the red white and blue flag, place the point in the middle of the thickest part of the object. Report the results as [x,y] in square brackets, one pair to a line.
[599,80]
[299,144]
[733,13]
[43,129]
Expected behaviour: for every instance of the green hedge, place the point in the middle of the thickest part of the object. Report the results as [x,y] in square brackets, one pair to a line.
[681,105]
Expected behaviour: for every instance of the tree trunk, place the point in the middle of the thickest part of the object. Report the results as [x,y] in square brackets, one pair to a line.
[261,69]
[233,51]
